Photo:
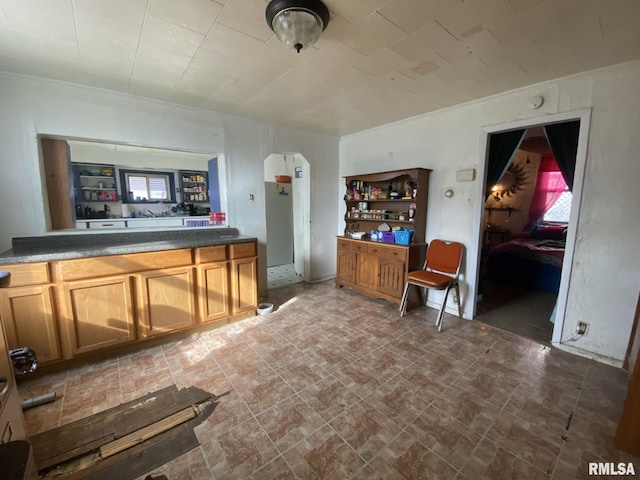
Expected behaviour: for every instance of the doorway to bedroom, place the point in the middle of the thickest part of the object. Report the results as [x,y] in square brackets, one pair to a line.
[527,214]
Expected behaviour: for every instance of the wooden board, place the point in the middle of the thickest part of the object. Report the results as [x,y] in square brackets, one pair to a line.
[139,436]
[80,437]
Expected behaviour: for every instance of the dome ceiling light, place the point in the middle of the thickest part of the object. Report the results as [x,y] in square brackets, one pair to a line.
[297,23]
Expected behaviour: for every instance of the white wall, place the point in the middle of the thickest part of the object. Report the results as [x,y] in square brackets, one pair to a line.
[32,106]
[603,290]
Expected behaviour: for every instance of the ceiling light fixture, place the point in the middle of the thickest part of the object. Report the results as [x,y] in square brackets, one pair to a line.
[297,23]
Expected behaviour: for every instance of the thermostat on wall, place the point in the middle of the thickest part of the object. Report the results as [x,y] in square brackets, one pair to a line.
[468,175]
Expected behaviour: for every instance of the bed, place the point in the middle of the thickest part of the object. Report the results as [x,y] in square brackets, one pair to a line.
[531,259]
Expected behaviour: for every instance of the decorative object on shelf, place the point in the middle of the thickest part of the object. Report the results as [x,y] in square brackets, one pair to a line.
[297,23]
[511,182]
[283,179]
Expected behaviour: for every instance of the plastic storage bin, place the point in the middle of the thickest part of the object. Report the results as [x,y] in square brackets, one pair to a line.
[387,237]
[403,237]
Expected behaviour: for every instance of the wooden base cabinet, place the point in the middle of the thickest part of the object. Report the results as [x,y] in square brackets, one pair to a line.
[30,321]
[67,308]
[98,314]
[213,280]
[244,277]
[377,269]
[166,300]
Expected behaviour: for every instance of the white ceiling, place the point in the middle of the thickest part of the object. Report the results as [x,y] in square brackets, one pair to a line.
[377,62]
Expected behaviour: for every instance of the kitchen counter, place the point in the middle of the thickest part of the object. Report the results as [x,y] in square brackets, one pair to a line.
[64,245]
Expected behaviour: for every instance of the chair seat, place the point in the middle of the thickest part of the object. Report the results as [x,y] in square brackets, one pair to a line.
[437,281]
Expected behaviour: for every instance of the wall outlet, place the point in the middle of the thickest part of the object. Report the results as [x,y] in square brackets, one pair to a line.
[581,328]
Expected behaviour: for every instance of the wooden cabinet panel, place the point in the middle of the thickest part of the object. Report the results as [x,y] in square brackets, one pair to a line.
[166,301]
[23,274]
[82,268]
[244,292]
[211,254]
[346,268]
[367,270]
[213,280]
[98,313]
[390,276]
[29,321]
[243,250]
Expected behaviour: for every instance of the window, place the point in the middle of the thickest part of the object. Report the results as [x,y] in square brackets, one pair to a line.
[561,209]
[148,186]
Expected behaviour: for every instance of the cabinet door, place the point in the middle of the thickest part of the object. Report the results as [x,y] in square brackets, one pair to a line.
[166,301]
[367,271]
[390,277]
[98,313]
[346,268]
[244,285]
[213,280]
[29,320]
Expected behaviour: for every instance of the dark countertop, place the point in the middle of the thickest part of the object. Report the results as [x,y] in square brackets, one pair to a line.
[68,246]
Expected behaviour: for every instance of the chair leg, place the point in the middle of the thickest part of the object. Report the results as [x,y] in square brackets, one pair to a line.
[457,287]
[403,302]
[440,319]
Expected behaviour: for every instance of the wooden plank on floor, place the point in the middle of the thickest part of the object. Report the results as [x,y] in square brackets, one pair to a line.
[140,459]
[146,433]
[80,437]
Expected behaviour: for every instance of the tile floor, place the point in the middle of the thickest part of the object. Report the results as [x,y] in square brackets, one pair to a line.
[281,276]
[334,385]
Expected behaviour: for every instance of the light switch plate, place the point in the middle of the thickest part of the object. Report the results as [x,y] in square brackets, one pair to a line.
[468,175]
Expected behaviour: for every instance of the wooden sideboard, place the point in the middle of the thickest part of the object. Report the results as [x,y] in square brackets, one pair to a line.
[378,269]
[64,309]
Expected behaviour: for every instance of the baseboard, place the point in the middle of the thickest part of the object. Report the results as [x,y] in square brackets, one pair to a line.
[587,354]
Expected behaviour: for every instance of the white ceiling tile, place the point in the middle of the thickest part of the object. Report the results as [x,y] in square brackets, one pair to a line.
[150,89]
[48,49]
[199,83]
[195,15]
[467,18]
[383,62]
[335,56]
[337,27]
[410,15]
[129,11]
[108,82]
[372,34]
[520,6]
[275,50]
[353,10]
[50,19]
[238,89]
[423,43]
[262,69]
[170,36]
[525,26]
[247,16]
[231,43]
[101,37]
[158,66]
[482,43]
[215,62]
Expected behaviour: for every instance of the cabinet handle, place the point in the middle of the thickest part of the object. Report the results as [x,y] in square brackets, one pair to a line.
[107,224]
[395,253]
[375,250]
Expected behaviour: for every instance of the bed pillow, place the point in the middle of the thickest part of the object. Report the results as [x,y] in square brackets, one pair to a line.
[550,232]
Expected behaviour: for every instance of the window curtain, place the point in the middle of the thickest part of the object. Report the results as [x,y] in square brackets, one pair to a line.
[563,139]
[549,187]
[502,148]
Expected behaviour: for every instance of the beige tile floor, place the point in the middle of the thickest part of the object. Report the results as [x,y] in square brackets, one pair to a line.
[334,385]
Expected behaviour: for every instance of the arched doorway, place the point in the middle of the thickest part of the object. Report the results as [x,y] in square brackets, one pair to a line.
[287,214]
